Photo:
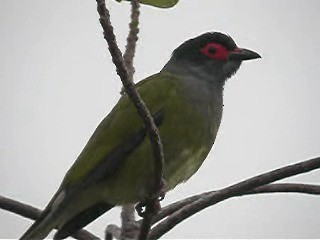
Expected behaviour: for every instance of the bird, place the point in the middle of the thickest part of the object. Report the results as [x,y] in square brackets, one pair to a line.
[116,167]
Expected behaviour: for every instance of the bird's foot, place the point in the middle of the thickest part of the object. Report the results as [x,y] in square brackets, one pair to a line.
[131,231]
[149,206]
[161,193]
[153,203]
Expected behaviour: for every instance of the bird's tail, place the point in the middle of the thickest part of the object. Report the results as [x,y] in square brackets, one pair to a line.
[40,228]
[51,219]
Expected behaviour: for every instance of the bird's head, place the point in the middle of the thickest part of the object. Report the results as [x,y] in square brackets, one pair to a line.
[213,53]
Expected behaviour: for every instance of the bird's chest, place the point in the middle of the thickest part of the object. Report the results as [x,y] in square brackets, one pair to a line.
[188,136]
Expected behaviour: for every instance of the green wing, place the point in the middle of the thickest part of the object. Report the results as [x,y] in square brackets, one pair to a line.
[116,136]
[121,130]
[116,165]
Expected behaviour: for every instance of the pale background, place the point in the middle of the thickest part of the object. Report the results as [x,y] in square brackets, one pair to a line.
[58,82]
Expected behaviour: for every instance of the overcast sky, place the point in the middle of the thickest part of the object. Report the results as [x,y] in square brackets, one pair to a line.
[58,82]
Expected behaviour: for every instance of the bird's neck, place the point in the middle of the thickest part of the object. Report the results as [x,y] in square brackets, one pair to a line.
[196,72]
[204,86]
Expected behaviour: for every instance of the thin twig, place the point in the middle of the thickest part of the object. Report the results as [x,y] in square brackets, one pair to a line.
[232,191]
[132,37]
[19,208]
[174,207]
[150,212]
[270,188]
[33,213]
[135,98]
[131,91]
[286,188]
[129,227]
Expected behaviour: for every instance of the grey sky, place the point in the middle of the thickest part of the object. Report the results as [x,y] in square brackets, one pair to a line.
[58,82]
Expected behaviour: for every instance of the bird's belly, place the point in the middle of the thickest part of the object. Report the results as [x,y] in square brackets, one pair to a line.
[191,147]
[186,164]
[186,141]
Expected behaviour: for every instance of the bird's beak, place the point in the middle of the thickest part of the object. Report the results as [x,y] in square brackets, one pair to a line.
[243,54]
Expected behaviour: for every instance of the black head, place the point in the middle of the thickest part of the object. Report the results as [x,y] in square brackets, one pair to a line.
[213,49]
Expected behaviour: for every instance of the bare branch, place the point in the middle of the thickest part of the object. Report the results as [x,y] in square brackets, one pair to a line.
[286,188]
[19,208]
[132,37]
[231,191]
[33,213]
[129,227]
[152,208]
[173,207]
[131,91]
[137,101]
[270,188]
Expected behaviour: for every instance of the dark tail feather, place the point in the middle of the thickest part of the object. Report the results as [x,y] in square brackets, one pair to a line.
[40,228]
[82,219]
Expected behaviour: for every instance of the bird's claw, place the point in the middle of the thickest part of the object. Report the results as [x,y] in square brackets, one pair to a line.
[153,206]
[153,202]
[162,191]
[140,208]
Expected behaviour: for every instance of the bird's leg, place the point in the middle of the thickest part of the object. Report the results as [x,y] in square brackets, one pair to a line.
[153,201]
[129,227]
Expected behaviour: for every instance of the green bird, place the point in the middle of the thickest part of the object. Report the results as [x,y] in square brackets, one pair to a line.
[116,166]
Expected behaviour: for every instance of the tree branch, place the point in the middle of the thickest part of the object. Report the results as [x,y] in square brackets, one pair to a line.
[132,37]
[270,188]
[152,208]
[286,188]
[231,191]
[129,227]
[33,213]
[138,103]
[131,91]
[183,209]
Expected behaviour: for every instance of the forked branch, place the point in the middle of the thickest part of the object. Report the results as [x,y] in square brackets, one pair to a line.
[232,191]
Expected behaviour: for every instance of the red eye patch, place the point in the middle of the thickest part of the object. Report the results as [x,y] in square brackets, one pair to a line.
[216,51]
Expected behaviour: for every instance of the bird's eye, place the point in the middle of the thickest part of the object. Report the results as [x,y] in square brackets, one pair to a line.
[215,51]
[212,50]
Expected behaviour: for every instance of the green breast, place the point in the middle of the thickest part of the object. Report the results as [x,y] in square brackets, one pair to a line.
[188,134]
